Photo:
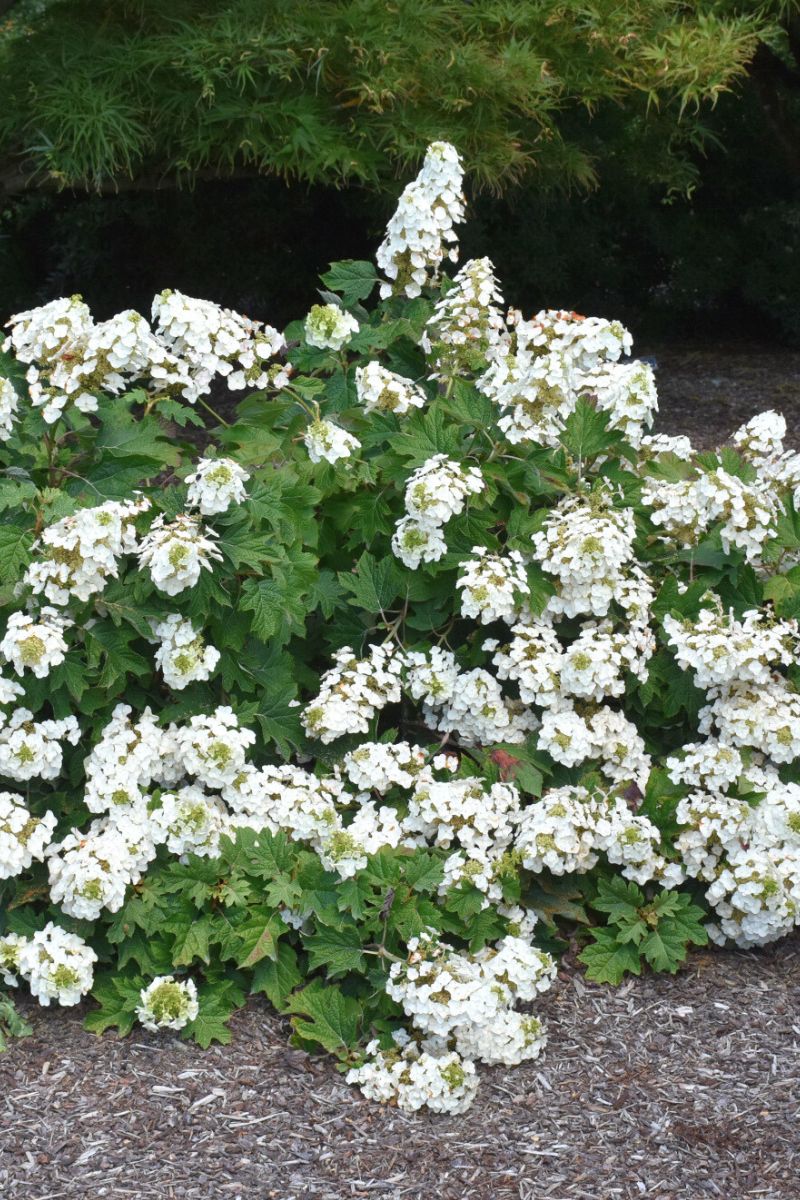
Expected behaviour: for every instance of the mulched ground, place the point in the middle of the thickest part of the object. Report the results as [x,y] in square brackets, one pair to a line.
[708,393]
[666,1088]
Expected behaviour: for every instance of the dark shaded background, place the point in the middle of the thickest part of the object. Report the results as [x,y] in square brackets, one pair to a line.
[724,263]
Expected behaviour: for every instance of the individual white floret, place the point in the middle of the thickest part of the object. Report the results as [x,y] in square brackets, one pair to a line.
[216,484]
[167,1003]
[57,965]
[10,690]
[413,1079]
[438,490]
[352,691]
[379,389]
[183,656]
[190,822]
[76,556]
[31,749]
[492,585]
[23,836]
[35,643]
[328,441]
[329,327]
[414,542]
[177,551]
[421,231]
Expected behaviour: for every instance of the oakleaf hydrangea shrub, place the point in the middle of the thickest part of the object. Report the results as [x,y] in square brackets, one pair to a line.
[365,664]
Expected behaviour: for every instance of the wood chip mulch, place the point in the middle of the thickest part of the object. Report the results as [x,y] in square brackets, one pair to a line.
[666,1088]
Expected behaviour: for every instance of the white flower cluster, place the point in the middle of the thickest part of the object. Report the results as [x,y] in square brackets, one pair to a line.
[686,510]
[492,585]
[326,440]
[35,644]
[77,555]
[177,551]
[470,703]
[420,233]
[435,492]
[570,827]
[467,325]
[539,369]
[213,341]
[381,390]
[352,691]
[329,327]
[167,1003]
[23,837]
[183,657]
[586,544]
[740,822]
[55,964]
[31,749]
[721,650]
[413,1077]
[465,1004]
[9,403]
[216,484]
[748,855]
[72,359]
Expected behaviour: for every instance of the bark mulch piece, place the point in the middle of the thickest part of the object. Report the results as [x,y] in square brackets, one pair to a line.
[673,1088]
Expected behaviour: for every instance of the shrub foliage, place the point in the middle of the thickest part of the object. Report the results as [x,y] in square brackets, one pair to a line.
[363,665]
